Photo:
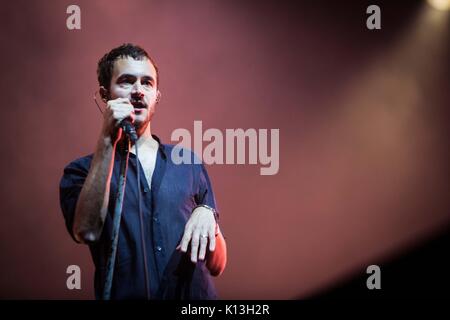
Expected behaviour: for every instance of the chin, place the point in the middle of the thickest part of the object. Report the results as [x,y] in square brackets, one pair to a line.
[141,118]
[141,124]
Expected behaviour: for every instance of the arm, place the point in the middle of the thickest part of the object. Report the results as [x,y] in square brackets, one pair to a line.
[92,204]
[201,229]
[216,259]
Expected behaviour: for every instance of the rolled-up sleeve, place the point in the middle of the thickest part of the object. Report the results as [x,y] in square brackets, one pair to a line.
[70,187]
[205,194]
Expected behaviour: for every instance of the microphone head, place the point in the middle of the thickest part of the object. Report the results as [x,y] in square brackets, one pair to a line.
[129,130]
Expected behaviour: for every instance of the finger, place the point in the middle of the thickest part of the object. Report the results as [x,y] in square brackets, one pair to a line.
[120,104]
[121,100]
[132,117]
[203,244]
[194,245]
[123,110]
[111,103]
[122,116]
[186,238]
[212,238]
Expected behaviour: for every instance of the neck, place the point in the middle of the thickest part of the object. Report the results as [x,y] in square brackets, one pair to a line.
[145,140]
[145,134]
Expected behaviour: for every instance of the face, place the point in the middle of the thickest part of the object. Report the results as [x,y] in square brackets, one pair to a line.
[136,80]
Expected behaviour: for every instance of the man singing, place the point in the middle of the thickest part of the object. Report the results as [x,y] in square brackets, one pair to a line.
[183,244]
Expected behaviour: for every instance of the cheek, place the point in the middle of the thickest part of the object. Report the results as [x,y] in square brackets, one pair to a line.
[148,114]
[151,96]
[118,92]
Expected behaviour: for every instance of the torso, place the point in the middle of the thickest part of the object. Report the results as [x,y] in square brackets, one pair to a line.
[147,157]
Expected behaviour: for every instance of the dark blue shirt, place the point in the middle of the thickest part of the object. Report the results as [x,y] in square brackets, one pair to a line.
[167,205]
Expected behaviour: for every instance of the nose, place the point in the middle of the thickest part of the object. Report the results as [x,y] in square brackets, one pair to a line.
[136,92]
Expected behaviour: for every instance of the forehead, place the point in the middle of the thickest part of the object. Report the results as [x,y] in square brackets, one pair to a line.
[138,68]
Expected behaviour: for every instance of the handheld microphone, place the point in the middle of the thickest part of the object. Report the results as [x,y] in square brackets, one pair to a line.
[129,129]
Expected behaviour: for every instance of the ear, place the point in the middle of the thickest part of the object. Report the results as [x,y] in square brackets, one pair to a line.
[104,93]
[158,96]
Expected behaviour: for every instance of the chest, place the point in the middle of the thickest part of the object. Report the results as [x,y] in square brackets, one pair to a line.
[147,158]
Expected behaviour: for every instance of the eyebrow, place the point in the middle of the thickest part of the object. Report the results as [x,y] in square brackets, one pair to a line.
[127,75]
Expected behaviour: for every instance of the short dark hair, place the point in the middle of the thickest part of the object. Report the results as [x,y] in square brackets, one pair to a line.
[106,63]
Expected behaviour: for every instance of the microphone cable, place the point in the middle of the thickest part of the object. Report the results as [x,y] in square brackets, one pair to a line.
[141,222]
[141,218]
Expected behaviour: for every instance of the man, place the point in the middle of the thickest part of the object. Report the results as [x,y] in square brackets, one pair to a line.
[184,245]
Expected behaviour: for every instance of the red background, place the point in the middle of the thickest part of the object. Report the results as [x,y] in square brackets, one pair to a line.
[363,118]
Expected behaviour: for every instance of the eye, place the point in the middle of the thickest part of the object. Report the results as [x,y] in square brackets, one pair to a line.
[147,83]
[124,82]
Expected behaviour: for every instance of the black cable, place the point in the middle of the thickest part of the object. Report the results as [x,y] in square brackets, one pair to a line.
[117,217]
[107,292]
[141,222]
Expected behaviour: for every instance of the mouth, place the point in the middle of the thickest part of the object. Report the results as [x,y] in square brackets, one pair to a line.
[138,105]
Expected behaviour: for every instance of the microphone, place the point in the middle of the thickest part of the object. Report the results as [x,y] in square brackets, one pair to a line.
[129,129]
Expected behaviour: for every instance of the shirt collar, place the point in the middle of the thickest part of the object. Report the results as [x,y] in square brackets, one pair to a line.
[160,146]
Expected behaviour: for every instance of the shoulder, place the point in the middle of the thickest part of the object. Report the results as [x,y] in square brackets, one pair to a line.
[82,163]
[75,172]
[179,155]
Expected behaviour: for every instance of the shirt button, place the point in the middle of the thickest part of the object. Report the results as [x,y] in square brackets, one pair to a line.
[155,219]
[158,248]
